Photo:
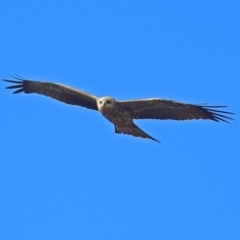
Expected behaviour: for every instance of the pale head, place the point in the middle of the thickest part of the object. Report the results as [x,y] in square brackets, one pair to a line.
[105,103]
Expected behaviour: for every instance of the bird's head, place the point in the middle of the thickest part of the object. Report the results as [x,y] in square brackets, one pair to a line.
[105,103]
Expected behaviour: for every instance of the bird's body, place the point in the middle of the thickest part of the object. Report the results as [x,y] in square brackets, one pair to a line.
[122,113]
[120,117]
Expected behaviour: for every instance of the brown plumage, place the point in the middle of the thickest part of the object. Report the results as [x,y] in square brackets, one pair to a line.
[122,113]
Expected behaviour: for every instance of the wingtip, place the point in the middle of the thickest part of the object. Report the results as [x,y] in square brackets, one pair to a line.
[15,76]
[218,115]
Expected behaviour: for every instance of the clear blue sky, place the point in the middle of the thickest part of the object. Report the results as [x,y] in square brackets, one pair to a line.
[65,174]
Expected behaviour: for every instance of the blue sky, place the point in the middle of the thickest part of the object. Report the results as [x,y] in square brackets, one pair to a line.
[65,174]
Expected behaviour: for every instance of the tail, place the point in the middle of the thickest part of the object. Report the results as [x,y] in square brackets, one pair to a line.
[133,130]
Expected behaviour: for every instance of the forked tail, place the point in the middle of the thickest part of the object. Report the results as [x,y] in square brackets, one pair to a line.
[133,130]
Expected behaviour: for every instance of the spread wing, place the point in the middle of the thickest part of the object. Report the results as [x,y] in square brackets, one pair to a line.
[56,91]
[157,108]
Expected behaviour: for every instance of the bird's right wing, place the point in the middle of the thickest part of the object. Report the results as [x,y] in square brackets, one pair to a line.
[156,108]
[56,91]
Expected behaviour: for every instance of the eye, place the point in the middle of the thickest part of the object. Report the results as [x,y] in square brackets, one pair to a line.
[100,102]
[108,102]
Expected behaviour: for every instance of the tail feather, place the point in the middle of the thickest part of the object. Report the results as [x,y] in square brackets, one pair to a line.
[133,130]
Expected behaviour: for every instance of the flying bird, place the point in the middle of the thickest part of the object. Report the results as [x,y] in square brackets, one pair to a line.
[121,113]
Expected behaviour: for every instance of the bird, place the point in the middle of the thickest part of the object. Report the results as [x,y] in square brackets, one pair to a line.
[121,113]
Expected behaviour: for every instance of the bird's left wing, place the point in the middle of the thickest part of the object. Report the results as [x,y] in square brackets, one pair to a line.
[57,91]
[156,108]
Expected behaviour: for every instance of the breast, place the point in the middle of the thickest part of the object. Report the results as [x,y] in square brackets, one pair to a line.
[118,117]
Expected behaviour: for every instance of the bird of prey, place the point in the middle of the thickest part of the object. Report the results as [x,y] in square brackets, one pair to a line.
[121,113]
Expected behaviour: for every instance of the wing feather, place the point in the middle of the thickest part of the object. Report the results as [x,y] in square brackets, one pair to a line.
[56,91]
[156,108]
